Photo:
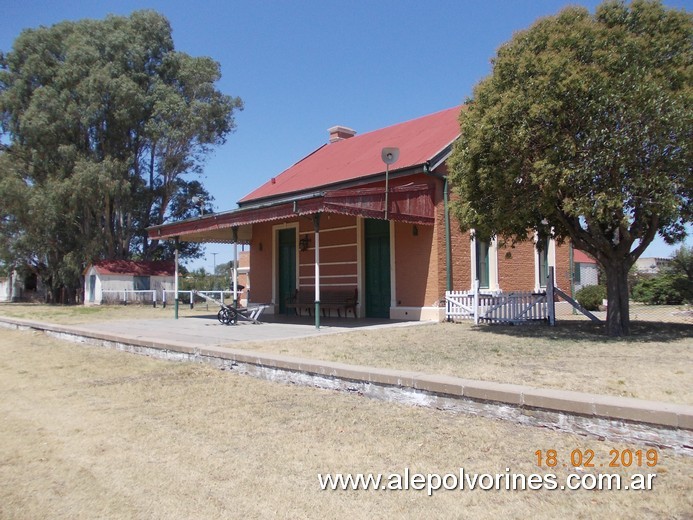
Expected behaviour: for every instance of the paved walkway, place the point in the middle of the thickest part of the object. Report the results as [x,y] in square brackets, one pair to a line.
[205,330]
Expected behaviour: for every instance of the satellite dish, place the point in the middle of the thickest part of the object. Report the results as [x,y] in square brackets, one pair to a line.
[390,155]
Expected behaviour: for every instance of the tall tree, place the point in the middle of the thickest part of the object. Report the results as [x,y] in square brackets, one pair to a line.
[102,121]
[583,131]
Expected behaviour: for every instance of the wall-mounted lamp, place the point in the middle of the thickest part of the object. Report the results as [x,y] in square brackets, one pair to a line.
[415,230]
[304,243]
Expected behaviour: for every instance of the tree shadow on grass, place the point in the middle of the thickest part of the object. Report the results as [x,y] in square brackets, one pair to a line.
[579,330]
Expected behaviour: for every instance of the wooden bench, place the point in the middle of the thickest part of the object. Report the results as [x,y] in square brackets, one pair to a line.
[301,299]
[337,299]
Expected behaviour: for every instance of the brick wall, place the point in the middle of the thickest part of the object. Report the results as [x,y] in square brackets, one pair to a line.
[516,265]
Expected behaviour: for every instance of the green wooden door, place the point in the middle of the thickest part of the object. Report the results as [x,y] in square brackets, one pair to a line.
[377,268]
[287,266]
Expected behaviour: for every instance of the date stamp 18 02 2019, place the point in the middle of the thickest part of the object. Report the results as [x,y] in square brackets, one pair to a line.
[586,458]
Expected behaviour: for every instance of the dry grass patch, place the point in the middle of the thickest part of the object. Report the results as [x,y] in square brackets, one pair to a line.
[654,364]
[75,314]
[88,433]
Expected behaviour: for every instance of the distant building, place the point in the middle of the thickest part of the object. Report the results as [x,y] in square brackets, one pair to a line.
[244,276]
[651,264]
[585,270]
[105,281]
[21,288]
[6,292]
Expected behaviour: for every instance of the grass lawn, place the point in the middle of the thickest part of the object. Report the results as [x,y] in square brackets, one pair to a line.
[90,433]
[655,363]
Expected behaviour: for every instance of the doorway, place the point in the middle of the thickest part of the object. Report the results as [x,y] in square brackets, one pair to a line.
[286,257]
[377,268]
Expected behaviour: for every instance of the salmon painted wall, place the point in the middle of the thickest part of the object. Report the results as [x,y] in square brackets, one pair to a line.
[261,263]
[416,266]
[338,253]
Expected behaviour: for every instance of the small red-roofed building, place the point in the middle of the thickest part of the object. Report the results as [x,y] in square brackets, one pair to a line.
[374,226]
[107,281]
[585,270]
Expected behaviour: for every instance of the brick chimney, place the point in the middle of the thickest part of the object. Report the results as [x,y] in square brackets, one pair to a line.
[339,133]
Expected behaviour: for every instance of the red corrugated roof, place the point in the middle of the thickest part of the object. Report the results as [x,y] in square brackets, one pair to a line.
[419,140]
[135,267]
[581,257]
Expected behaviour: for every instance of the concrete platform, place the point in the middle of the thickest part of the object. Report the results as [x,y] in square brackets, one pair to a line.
[206,330]
[202,339]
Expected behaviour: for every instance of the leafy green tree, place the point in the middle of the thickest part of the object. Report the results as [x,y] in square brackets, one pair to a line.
[100,123]
[673,285]
[682,264]
[583,131]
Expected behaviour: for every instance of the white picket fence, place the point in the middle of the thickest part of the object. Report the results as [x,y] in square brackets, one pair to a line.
[125,296]
[499,307]
[514,307]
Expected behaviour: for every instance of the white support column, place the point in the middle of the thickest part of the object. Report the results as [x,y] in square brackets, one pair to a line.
[316,225]
[550,302]
[234,230]
[175,279]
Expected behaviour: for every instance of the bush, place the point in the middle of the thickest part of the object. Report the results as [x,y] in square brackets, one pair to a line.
[664,289]
[591,297]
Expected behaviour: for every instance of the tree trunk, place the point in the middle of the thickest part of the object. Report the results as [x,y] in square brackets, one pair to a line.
[617,313]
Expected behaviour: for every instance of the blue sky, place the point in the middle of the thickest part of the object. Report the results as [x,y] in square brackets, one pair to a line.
[304,66]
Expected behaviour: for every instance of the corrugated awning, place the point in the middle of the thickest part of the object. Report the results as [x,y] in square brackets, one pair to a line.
[412,204]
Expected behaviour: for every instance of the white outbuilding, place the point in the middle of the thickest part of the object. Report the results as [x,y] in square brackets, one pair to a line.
[126,281]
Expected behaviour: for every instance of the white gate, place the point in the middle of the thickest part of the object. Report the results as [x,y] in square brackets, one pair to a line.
[513,307]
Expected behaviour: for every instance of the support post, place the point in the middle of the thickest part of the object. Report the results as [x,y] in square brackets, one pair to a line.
[234,230]
[550,302]
[175,279]
[572,272]
[387,187]
[316,227]
[476,301]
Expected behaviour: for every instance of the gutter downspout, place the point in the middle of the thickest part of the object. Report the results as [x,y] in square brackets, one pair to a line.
[448,250]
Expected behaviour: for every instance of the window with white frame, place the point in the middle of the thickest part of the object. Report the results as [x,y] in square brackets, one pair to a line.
[545,257]
[485,263]
[482,261]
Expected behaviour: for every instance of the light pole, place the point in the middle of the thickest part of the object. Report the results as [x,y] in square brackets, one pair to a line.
[214,272]
[215,263]
[389,156]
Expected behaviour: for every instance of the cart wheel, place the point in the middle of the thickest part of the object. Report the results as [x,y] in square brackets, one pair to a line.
[224,316]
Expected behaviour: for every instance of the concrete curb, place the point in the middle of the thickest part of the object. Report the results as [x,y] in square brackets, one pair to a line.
[618,418]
